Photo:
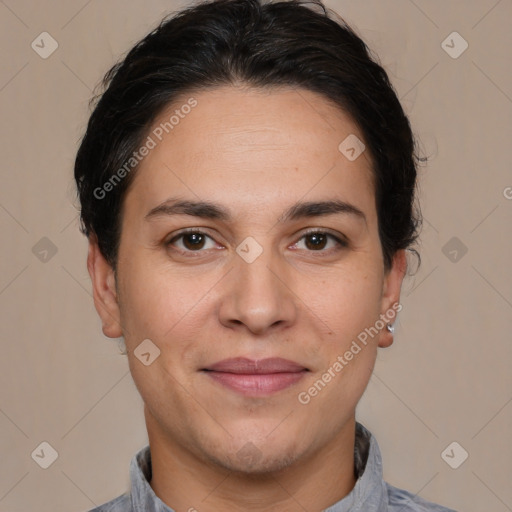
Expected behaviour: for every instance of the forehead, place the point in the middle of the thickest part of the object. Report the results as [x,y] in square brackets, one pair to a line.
[270,145]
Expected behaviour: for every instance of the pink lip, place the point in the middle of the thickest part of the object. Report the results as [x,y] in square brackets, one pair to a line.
[255,378]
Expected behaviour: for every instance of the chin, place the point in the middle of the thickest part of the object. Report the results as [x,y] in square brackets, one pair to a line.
[252,461]
[255,455]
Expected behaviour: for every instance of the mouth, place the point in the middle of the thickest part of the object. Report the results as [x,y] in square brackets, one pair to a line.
[256,377]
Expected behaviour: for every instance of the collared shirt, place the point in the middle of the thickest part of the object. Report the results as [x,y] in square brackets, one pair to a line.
[370,493]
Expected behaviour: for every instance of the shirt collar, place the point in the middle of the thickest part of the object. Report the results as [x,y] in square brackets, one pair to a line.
[369,493]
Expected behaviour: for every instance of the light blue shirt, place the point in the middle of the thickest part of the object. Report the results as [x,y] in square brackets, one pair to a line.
[370,493]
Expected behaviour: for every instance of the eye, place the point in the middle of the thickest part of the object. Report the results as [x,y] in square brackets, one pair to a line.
[191,241]
[317,241]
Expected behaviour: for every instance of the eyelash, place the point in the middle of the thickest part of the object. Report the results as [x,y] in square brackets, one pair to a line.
[342,244]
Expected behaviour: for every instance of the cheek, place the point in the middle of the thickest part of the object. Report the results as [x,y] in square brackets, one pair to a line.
[154,301]
[350,307]
[348,302]
[165,393]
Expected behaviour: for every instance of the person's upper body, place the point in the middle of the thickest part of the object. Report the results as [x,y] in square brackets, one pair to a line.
[247,184]
[370,494]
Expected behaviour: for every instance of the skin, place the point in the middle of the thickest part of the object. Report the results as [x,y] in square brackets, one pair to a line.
[256,153]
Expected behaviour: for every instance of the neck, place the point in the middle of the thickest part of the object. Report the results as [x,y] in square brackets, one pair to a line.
[185,482]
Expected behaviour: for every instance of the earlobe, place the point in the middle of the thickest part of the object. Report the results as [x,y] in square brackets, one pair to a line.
[391,296]
[104,290]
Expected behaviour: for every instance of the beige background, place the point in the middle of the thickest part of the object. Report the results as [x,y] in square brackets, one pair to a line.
[447,377]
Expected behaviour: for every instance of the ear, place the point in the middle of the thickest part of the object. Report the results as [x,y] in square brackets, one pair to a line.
[391,295]
[104,290]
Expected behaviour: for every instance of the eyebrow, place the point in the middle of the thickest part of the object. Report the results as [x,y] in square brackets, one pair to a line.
[210,210]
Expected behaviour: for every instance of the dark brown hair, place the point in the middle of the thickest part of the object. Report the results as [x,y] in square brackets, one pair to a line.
[260,44]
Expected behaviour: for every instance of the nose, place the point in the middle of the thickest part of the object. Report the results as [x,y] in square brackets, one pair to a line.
[259,295]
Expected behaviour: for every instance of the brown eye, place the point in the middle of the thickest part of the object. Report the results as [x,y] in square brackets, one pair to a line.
[318,241]
[191,241]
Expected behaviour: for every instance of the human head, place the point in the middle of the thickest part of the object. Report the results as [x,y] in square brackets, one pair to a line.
[272,90]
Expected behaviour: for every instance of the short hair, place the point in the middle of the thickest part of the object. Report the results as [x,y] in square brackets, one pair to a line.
[256,43]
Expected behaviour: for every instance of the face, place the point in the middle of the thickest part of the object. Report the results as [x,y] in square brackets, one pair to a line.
[255,274]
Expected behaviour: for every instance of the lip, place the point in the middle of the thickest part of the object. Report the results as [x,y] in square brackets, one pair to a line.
[256,377]
[256,366]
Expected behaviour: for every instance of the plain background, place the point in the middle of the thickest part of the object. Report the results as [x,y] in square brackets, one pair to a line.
[446,378]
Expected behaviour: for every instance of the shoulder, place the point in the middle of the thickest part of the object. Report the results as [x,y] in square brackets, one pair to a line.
[405,501]
[120,504]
